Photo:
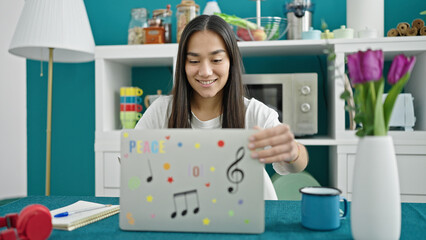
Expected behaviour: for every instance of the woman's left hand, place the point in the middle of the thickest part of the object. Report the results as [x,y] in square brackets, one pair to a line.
[279,141]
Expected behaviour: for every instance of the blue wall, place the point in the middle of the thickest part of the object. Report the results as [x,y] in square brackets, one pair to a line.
[73,119]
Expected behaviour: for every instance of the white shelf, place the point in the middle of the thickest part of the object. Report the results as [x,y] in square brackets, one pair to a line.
[161,54]
[391,46]
[114,69]
[153,55]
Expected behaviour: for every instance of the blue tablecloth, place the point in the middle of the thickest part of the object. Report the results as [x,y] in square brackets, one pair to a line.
[282,219]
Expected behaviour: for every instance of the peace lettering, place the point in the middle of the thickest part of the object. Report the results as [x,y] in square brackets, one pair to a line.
[141,146]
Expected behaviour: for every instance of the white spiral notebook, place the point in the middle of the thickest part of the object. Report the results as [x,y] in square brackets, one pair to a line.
[81,219]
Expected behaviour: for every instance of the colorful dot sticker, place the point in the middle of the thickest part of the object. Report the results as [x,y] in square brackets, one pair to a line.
[240,201]
[246,221]
[130,219]
[170,179]
[206,221]
[221,143]
[212,169]
[231,213]
[134,183]
[214,200]
[197,145]
[149,198]
[180,144]
[126,134]
[166,166]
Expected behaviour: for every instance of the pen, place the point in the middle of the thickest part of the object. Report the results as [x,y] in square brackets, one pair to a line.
[64,214]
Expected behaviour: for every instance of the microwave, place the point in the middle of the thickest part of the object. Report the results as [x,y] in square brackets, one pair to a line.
[293,96]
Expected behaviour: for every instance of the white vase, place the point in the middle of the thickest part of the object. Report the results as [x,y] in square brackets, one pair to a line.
[376,202]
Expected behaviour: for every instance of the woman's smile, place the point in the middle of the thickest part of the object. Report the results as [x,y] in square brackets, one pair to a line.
[206,83]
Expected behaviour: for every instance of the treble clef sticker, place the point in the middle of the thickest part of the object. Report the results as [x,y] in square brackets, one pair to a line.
[234,174]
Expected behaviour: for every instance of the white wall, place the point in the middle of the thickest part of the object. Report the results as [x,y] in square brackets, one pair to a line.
[13,107]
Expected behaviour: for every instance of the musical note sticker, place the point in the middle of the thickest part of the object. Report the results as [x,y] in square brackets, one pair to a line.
[149,178]
[185,196]
[234,174]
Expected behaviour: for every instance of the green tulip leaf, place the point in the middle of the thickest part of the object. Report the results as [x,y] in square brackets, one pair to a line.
[379,122]
[391,98]
[370,104]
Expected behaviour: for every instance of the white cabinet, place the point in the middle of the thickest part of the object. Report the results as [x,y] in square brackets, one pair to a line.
[114,68]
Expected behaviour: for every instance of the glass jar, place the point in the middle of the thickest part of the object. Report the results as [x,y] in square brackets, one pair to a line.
[186,11]
[138,21]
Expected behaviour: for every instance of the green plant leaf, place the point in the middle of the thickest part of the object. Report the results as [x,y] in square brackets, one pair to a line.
[359,117]
[359,99]
[360,132]
[379,122]
[345,95]
[370,104]
[391,98]
[349,108]
[331,56]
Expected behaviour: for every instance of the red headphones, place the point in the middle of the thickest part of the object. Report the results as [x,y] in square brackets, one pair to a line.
[34,222]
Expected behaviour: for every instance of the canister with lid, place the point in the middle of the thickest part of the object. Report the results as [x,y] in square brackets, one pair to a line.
[311,34]
[186,11]
[343,32]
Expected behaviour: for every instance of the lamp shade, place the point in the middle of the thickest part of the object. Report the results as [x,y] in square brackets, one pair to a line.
[59,24]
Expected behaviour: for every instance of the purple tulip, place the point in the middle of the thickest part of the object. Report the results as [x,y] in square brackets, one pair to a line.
[365,66]
[399,67]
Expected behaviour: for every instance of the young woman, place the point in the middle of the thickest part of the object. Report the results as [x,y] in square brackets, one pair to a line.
[208,93]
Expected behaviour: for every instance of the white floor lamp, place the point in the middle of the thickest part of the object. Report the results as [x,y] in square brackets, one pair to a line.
[53,30]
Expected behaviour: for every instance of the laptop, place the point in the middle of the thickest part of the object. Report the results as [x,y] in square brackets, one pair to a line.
[185,180]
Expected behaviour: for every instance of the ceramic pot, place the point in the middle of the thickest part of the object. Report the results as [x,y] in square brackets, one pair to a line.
[376,201]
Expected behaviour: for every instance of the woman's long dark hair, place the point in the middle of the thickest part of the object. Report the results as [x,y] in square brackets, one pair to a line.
[233,109]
